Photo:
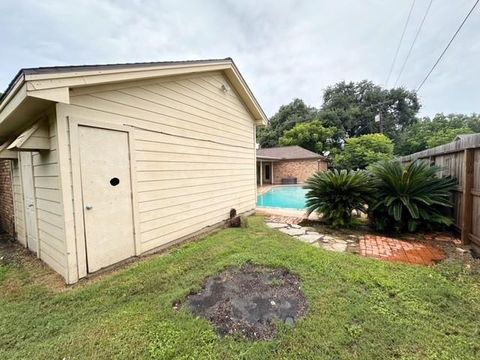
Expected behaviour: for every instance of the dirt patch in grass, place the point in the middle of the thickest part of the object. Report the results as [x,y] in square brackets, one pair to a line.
[249,301]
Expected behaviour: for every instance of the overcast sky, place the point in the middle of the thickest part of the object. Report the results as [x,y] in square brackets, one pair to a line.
[284,49]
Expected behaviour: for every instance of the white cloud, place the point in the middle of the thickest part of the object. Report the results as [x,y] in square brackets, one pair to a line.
[285,49]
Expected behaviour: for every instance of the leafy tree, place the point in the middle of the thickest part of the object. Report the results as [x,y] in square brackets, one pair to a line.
[409,197]
[352,107]
[361,151]
[285,119]
[440,130]
[335,194]
[312,136]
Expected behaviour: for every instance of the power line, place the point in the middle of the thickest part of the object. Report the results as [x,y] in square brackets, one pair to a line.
[448,45]
[413,43]
[400,43]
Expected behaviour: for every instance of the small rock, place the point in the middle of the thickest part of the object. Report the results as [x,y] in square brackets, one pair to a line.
[295,226]
[289,321]
[276,225]
[354,237]
[273,303]
[461,251]
[292,232]
[350,241]
[325,240]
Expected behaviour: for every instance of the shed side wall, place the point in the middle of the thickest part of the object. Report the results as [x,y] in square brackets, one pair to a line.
[194,150]
[50,219]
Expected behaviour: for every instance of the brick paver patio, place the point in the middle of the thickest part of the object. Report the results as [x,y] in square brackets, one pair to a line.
[391,249]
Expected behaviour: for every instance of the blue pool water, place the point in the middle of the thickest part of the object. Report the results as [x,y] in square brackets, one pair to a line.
[284,197]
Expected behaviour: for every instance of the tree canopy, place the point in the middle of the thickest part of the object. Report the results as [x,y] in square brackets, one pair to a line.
[439,130]
[352,107]
[285,119]
[362,151]
[350,111]
[312,136]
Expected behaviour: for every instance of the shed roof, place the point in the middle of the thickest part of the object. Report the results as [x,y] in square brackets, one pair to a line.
[287,153]
[33,88]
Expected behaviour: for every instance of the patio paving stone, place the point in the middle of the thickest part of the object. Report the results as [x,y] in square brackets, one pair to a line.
[310,238]
[292,231]
[276,225]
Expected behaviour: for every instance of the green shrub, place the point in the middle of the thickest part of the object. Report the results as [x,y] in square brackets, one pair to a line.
[335,194]
[409,197]
[359,152]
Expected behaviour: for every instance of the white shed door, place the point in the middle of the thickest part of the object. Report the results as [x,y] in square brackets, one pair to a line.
[107,196]
[29,200]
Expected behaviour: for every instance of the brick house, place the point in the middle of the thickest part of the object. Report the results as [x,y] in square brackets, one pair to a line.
[288,164]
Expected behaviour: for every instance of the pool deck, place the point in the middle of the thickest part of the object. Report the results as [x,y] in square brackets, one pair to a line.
[263,189]
[285,212]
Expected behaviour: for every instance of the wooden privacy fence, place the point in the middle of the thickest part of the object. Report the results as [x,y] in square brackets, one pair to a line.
[461,160]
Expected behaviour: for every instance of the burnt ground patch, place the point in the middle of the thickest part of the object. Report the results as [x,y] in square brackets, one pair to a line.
[249,301]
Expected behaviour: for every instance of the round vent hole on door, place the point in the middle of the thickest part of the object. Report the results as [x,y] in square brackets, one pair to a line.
[114,181]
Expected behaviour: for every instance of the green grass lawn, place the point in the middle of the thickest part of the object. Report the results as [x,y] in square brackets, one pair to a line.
[359,308]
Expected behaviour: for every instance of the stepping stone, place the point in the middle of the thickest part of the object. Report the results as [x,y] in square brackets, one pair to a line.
[295,226]
[339,247]
[310,238]
[277,225]
[292,232]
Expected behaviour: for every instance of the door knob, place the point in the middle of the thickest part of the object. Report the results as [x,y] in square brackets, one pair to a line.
[89,207]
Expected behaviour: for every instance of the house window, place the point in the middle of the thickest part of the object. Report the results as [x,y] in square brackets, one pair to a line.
[267,172]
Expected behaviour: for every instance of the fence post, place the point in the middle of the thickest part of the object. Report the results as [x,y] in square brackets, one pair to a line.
[467,200]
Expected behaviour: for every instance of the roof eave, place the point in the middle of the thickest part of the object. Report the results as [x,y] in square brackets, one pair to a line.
[54,86]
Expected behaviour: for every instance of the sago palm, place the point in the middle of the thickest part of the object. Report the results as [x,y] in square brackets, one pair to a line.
[335,194]
[410,196]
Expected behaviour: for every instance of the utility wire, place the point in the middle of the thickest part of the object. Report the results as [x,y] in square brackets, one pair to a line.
[413,43]
[400,43]
[448,45]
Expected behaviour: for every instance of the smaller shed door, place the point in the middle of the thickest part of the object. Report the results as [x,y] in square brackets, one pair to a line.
[29,201]
[107,196]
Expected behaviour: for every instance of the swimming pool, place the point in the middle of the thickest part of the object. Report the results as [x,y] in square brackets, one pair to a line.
[283,197]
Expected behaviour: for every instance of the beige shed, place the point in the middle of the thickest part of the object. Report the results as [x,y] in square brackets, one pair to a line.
[115,161]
